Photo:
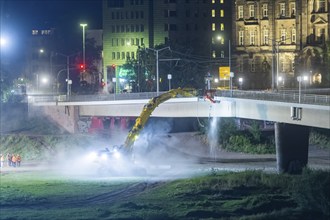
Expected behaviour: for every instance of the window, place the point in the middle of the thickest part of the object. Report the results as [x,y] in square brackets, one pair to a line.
[137,40]
[222,13]
[222,55]
[127,56]
[213,13]
[122,42]
[266,37]
[123,55]
[142,28]
[265,10]
[35,32]
[127,28]
[321,35]
[113,55]
[172,13]
[252,38]
[283,36]
[293,9]
[213,1]
[251,11]
[173,27]
[118,55]
[240,67]
[293,36]
[240,12]
[213,26]
[321,6]
[282,9]
[222,1]
[253,66]
[241,38]
[292,65]
[222,26]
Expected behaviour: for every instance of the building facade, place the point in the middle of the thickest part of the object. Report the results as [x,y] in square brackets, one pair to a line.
[202,27]
[278,40]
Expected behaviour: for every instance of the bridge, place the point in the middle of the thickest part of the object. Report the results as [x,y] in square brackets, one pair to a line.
[293,113]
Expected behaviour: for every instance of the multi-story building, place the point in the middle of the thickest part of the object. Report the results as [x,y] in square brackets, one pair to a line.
[277,40]
[200,26]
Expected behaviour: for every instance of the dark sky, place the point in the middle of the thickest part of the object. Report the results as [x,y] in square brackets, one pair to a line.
[19,17]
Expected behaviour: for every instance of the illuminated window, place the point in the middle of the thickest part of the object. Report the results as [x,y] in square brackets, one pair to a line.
[240,12]
[214,55]
[251,11]
[265,10]
[241,38]
[213,1]
[293,9]
[282,9]
[222,26]
[293,36]
[213,26]
[266,36]
[222,13]
[222,1]
[35,32]
[222,54]
[252,38]
[213,13]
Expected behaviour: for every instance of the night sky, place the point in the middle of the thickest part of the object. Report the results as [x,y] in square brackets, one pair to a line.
[19,17]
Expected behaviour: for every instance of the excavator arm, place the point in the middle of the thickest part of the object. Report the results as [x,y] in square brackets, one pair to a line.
[149,108]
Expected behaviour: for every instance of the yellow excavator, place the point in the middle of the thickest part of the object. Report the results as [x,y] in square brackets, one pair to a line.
[126,149]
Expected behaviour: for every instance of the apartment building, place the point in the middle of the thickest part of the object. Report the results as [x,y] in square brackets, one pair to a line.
[278,40]
[202,27]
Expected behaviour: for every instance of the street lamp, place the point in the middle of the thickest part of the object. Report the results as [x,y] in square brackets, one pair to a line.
[157,66]
[83,26]
[169,77]
[240,82]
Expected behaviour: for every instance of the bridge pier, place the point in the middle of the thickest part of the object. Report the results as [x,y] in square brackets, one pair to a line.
[291,147]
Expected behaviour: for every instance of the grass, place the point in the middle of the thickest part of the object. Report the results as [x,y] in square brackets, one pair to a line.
[225,195]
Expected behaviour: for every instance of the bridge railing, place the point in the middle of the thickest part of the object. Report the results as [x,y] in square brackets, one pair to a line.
[291,97]
[285,96]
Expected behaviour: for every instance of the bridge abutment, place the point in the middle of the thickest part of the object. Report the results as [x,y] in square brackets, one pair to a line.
[291,147]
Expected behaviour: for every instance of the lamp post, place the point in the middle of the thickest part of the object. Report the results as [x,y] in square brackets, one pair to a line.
[69,82]
[157,66]
[83,37]
[299,79]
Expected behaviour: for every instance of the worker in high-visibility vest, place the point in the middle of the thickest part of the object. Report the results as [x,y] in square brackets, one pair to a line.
[13,160]
[18,158]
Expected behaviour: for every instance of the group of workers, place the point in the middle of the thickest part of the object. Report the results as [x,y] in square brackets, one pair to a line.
[13,160]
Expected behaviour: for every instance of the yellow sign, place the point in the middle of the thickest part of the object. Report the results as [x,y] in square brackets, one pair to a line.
[224,73]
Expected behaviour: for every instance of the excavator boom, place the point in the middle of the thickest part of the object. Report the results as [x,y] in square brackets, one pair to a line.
[149,108]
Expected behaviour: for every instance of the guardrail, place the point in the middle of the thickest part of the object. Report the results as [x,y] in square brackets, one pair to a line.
[291,97]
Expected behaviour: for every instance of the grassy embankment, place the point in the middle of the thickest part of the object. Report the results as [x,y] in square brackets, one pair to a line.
[243,195]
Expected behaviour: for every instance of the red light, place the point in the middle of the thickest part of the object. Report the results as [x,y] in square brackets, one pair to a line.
[81,66]
[113,65]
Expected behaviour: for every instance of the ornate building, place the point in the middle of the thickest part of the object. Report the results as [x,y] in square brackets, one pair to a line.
[278,40]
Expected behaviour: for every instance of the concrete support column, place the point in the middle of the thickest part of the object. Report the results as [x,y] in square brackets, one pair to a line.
[291,147]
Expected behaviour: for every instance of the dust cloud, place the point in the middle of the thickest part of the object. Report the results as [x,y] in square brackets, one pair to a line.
[156,153]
